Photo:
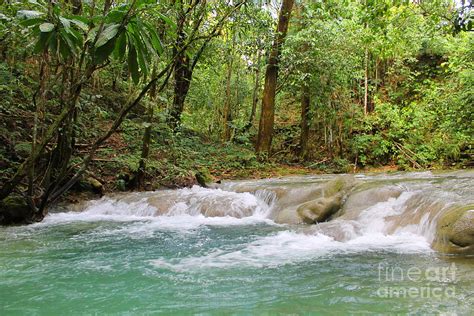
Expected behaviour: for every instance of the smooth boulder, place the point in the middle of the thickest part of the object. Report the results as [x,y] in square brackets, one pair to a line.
[320,209]
[455,231]
[315,203]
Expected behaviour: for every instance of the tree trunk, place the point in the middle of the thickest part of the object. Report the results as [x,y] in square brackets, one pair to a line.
[366,81]
[182,73]
[267,116]
[183,77]
[305,107]
[140,179]
[256,88]
[140,176]
[226,113]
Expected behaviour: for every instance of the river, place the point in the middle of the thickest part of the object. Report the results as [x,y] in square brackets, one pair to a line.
[235,249]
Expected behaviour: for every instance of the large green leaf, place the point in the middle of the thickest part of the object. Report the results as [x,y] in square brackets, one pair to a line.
[31,22]
[92,34]
[65,22]
[107,34]
[120,46]
[28,14]
[167,20]
[68,42]
[103,52]
[53,42]
[64,48]
[155,40]
[117,15]
[133,64]
[137,45]
[42,42]
[80,24]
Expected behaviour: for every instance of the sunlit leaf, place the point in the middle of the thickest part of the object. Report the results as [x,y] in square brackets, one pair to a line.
[107,34]
[46,27]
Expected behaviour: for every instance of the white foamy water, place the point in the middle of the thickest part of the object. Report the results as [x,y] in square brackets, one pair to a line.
[289,247]
[403,224]
[189,209]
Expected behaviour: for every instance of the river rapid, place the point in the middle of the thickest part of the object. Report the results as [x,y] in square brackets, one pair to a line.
[246,247]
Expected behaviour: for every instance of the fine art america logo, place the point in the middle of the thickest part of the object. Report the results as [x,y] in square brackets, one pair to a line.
[437,282]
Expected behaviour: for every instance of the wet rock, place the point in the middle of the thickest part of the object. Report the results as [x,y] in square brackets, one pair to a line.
[96,185]
[14,210]
[310,205]
[455,231]
[201,179]
[89,184]
[288,216]
[360,200]
[319,210]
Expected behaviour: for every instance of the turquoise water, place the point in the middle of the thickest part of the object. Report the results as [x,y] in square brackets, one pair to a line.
[119,256]
[138,267]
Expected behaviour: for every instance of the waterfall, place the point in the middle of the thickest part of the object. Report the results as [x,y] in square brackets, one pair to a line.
[373,208]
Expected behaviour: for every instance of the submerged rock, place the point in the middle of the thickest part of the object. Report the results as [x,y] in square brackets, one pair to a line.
[455,231]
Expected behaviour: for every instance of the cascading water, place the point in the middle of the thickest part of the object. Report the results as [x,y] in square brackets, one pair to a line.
[244,246]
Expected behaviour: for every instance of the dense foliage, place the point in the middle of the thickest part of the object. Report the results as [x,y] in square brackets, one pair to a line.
[138,94]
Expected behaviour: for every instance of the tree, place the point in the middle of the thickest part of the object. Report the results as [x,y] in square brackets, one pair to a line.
[267,114]
[70,50]
[190,19]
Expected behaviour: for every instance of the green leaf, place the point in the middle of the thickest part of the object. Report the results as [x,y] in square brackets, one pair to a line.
[52,42]
[167,20]
[80,24]
[75,36]
[46,27]
[103,52]
[64,48]
[42,42]
[141,3]
[117,15]
[31,22]
[155,40]
[92,34]
[107,34]
[28,14]
[133,65]
[69,43]
[65,22]
[140,47]
[120,46]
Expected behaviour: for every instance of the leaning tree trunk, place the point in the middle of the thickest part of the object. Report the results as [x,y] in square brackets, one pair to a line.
[267,114]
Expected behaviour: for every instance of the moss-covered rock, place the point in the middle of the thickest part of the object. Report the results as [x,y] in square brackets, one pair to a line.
[14,210]
[455,231]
